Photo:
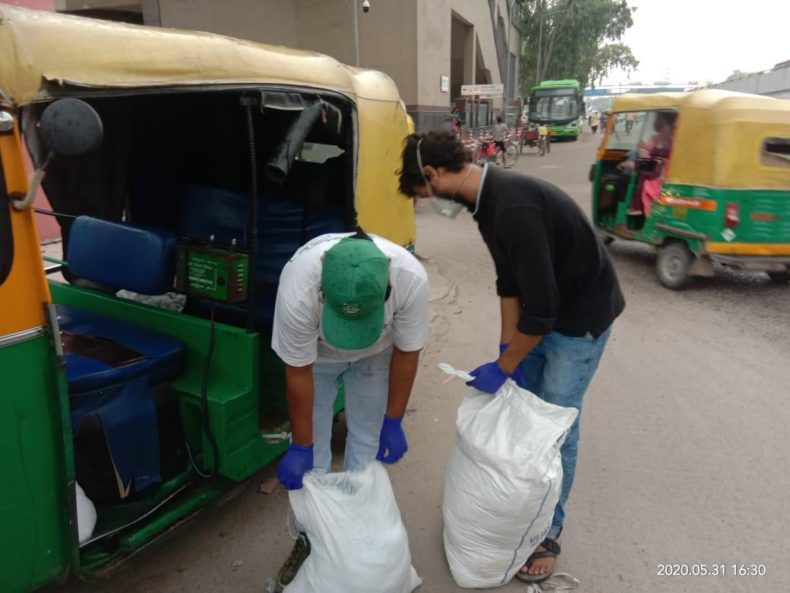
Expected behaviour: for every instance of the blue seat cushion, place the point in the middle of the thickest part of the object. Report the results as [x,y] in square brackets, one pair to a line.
[122,255]
[101,351]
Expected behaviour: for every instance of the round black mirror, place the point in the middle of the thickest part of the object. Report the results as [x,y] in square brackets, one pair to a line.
[71,127]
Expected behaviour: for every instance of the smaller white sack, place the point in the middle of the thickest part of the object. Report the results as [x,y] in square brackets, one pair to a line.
[358,543]
[86,516]
[502,482]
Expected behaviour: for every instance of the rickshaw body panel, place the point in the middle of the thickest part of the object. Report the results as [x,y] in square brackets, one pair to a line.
[36,499]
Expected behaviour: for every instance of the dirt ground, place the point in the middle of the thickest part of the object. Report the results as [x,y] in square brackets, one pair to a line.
[683,453]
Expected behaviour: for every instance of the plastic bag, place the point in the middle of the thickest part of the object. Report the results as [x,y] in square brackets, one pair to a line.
[358,543]
[86,516]
[502,482]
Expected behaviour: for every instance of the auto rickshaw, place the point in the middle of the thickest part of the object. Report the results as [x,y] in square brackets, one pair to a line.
[178,164]
[703,176]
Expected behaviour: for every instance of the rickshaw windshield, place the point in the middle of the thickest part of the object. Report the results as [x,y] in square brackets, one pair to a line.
[633,130]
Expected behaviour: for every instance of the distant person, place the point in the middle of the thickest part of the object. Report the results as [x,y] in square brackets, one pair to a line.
[595,121]
[455,121]
[629,122]
[558,291]
[499,131]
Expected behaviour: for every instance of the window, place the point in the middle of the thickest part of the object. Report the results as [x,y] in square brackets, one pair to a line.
[775,152]
[555,105]
[627,130]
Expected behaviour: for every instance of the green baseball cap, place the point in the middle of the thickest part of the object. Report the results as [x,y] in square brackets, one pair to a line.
[354,280]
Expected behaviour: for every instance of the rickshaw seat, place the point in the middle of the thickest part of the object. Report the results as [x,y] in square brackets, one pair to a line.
[100,351]
[122,255]
[114,366]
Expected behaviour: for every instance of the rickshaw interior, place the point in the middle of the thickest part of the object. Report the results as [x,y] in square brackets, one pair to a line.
[637,155]
[163,389]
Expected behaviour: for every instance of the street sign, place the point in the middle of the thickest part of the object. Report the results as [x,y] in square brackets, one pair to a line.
[487,91]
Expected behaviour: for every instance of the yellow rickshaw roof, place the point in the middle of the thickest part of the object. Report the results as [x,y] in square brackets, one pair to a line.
[43,47]
[719,136]
[645,102]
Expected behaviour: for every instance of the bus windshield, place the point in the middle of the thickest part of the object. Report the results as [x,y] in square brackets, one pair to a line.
[560,105]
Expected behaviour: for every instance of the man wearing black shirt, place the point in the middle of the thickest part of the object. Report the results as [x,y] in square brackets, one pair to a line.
[558,290]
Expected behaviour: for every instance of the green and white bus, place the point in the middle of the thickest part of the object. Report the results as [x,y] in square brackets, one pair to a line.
[557,104]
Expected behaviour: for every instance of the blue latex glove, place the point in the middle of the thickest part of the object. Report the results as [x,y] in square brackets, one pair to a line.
[392,441]
[517,373]
[488,377]
[296,462]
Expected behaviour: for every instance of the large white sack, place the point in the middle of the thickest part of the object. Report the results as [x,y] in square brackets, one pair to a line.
[502,482]
[358,543]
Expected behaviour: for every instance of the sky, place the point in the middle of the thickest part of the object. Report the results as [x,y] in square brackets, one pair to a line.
[705,40]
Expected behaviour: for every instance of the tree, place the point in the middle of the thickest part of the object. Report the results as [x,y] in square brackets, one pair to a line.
[574,39]
[609,57]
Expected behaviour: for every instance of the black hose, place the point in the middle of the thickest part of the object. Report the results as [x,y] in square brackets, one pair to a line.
[279,165]
[204,398]
[248,103]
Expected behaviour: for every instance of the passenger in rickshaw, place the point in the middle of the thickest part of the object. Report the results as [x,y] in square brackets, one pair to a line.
[659,147]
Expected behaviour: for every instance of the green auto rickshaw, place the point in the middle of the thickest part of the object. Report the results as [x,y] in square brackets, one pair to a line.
[703,176]
[184,170]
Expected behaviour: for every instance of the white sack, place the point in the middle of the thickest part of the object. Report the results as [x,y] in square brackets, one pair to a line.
[502,482]
[358,543]
[86,516]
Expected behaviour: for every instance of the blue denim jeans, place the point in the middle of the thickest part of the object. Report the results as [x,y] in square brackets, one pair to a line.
[559,370]
[366,384]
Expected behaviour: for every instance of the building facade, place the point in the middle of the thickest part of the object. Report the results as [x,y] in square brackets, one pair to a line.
[429,47]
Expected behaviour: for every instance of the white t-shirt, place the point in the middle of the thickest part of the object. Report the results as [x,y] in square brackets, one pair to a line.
[499,131]
[297,337]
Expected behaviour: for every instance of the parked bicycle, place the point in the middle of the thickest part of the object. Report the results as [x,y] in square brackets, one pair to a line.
[489,152]
[536,137]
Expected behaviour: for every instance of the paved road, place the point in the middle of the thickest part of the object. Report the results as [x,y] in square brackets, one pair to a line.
[684,453]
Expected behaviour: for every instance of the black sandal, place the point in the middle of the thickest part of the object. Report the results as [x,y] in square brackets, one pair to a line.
[552,551]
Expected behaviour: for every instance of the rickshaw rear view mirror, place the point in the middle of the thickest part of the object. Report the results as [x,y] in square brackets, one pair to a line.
[71,127]
[6,122]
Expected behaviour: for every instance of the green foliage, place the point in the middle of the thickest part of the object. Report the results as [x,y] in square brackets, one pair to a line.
[574,39]
[609,57]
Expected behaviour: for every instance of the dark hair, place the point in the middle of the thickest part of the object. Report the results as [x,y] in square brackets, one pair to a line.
[499,120]
[439,148]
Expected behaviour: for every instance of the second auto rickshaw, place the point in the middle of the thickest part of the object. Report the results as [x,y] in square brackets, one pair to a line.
[703,176]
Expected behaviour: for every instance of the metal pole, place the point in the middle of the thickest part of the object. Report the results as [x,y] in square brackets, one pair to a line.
[356,35]
[507,61]
[540,43]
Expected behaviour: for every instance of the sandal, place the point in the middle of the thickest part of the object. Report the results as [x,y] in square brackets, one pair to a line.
[552,551]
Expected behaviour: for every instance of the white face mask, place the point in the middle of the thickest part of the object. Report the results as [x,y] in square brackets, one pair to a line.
[446,208]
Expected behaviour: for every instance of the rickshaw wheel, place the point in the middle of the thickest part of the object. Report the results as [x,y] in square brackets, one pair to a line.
[673,264]
[779,277]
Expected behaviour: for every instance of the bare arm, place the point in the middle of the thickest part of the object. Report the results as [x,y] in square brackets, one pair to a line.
[299,389]
[403,370]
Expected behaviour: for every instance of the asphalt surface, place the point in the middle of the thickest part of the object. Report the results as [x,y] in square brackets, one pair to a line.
[683,454]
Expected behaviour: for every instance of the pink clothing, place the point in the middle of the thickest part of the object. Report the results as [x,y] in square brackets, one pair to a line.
[658,146]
